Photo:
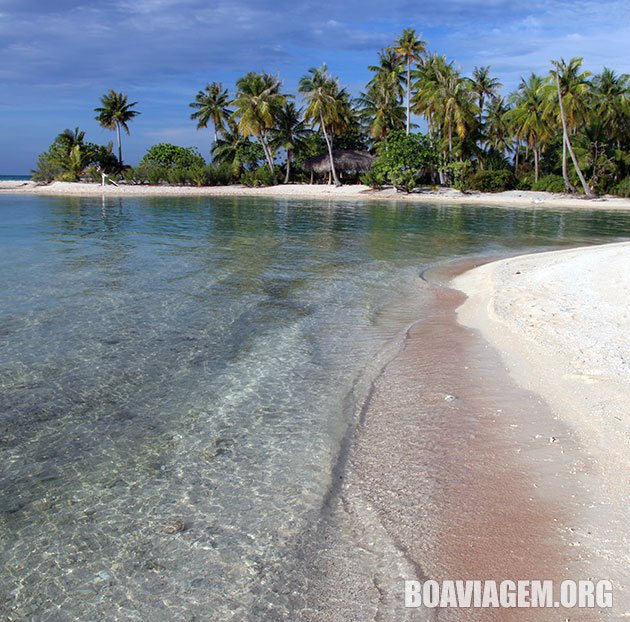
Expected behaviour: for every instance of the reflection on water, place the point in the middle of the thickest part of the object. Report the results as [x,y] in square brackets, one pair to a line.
[176,377]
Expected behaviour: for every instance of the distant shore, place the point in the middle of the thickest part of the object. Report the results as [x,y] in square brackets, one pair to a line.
[512,198]
[561,323]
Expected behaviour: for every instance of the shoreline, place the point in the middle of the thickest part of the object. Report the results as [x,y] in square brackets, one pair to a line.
[560,322]
[512,198]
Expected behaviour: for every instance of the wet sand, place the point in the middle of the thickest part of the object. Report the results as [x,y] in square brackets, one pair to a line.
[450,475]
[513,198]
[561,321]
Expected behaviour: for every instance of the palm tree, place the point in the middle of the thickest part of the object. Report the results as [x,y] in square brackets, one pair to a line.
[409,48]
[483,86]
[572,88]
[289,133]
[526,117]
[381,103]
[229,148]
[116,112]
[612,103]
[327,106]
[497,127]
[258,101]
[211,105]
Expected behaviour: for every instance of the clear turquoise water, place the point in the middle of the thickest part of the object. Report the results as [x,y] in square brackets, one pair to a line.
[197,360]
[15,177]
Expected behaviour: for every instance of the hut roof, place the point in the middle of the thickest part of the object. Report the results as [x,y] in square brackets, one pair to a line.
[346,160]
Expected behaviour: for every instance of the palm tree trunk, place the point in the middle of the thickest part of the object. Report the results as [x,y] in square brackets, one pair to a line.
[408,95]
[286,177]
[536,163]
[119,144]
[566,144]
[268,157]
[516,157]
[330,153]
[587,189]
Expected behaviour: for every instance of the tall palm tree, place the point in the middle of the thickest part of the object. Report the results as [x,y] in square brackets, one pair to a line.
[497,128]
[326,105]
[612,104]
[409,49]
[258,101]
[572,89]
[211,105]
[526,117]
[114,113]
[483,86]
[289,133]
[381,103]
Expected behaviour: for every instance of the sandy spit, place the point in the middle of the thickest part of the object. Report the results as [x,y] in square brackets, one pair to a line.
[561,321]
[513,198]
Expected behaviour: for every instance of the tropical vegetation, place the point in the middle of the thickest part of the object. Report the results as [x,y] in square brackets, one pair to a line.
[424,121]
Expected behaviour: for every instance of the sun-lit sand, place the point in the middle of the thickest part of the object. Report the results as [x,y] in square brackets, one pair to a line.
[561,321]
[513,198]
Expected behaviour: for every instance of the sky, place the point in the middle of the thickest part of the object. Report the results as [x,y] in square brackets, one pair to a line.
[59,56]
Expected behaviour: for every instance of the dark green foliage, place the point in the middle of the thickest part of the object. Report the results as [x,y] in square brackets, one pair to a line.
[374,179]
[458,174]
[525,182]
[622,188]
[69,157]
[404,160]
[549,183]
[171,157]
[258,177]
[492,181]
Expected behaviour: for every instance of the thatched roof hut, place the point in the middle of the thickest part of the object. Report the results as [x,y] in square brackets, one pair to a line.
[346,161]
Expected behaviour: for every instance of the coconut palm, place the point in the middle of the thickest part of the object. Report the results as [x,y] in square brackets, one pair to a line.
[526,117]
[483,86]
[114,113]
[289,133]
[211,105]
[611,93]
[381,103]
[497,128]
[258,101]
[572,90]
[326,106]
[408,48]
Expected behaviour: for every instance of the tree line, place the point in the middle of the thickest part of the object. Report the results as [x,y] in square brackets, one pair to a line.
[567,130]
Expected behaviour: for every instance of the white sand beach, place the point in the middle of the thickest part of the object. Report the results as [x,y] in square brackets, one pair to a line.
[512,198]
[561,321]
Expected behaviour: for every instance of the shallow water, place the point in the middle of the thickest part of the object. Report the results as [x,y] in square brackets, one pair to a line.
[178,376]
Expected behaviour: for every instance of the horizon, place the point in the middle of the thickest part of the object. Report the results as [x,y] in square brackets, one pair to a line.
[58,62]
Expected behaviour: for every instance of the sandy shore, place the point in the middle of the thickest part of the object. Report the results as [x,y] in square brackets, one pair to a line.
[561,321]
[514,198]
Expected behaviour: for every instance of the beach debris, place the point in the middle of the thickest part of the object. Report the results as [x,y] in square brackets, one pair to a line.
[174,526]
[517,272]
[554,439]
[449,398]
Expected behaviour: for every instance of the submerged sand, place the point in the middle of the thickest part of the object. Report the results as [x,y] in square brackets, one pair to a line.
[561,321]
[513,198]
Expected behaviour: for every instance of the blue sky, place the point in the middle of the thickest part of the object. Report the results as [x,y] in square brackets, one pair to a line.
[59,56]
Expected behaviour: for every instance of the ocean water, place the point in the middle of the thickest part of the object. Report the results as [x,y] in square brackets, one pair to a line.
[15,177]
[178,378]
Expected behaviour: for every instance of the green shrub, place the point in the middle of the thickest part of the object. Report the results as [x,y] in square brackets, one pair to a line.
[219,174]
[525,183]
[458,175]
[374,178]
[172,156]
[549,183]
[258,177]
[404,159]
[493,181]
[622,188]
